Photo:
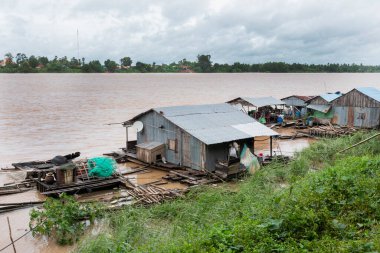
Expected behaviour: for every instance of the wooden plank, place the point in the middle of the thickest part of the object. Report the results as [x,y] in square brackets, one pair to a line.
[104,183]
[183,175]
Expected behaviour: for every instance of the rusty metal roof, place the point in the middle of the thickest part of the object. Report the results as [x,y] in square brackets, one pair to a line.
[214,123]
[370,92]
[304,98]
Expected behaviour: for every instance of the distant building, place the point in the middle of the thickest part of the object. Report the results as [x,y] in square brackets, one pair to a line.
[297,104]
[359,107]
[196,136]
[3,63]
[320,107]
[185,69]
[264,108]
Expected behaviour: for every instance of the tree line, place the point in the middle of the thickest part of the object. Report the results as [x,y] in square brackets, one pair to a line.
[20,63]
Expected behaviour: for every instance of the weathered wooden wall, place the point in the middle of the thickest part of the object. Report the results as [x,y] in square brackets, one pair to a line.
[355,98]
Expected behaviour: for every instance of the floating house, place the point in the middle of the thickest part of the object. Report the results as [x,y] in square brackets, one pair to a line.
[260,107]
[320,107]
[359,107]
[297,104]
[195,136]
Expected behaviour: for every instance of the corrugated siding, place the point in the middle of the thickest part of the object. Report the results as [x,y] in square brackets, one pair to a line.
[356,116]
[189,153]
[151,132]
[355,98]
[192,152]
[340,116]
[294,101]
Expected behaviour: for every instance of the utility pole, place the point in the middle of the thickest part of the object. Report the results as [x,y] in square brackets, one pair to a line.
[78,42]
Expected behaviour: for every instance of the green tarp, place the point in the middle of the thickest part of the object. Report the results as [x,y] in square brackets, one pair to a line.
[321,115]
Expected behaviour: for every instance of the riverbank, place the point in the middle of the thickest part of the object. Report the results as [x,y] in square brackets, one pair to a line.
[321,201]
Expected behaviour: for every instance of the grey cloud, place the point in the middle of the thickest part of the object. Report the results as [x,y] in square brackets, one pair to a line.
[315,31]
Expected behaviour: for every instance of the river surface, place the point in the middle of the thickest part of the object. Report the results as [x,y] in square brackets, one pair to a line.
[43,115]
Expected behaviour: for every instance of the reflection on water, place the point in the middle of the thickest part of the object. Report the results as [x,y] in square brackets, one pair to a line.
[43,115]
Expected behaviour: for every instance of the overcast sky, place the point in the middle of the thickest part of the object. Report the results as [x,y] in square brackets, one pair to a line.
[251,31]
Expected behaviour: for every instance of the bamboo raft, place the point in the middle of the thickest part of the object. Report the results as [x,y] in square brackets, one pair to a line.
[151,194]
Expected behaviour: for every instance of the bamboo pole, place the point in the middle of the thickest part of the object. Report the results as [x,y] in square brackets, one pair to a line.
[361,142]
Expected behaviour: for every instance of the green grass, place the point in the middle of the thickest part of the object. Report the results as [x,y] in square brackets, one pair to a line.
[322,201]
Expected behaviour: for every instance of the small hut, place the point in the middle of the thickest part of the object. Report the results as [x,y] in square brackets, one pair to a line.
[297,105]
[359,107]
[195,136]
[320,107]
[265,109]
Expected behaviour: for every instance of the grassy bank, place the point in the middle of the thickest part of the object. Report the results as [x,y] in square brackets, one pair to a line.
[322,201]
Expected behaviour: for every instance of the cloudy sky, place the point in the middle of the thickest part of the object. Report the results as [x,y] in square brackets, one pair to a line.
[250,31]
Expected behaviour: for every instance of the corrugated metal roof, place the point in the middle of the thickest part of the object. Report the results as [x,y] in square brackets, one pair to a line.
[215,123]
[263,101]
[149,145]
[320,108]
[330,96]
[370,92]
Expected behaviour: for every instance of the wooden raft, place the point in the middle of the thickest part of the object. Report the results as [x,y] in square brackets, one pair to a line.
[88,186]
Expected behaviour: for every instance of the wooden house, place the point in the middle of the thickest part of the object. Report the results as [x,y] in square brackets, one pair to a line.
[359,107]
[197,136]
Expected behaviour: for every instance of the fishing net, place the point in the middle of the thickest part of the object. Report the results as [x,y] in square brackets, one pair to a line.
[249,160]
[101,166]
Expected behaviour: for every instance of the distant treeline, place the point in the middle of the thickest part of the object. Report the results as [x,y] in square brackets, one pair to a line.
[41,64]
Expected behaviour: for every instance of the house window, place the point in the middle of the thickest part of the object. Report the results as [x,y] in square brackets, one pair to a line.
[361,115]
[172,144]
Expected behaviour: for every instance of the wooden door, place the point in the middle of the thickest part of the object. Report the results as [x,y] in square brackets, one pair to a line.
[350,116]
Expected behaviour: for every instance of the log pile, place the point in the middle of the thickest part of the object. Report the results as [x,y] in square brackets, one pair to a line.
[151,194]
[331,131]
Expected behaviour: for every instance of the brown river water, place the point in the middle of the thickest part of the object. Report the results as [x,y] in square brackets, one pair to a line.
[43,115]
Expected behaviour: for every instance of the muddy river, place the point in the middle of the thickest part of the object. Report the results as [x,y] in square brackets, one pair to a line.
[43,115]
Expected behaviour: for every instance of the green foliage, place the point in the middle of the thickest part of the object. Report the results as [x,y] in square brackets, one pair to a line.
[63,218]
[321,202]
[92,67]
[111,66]
[202,64]
[33,61]
[143,67]
[126,61]
[43,60]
